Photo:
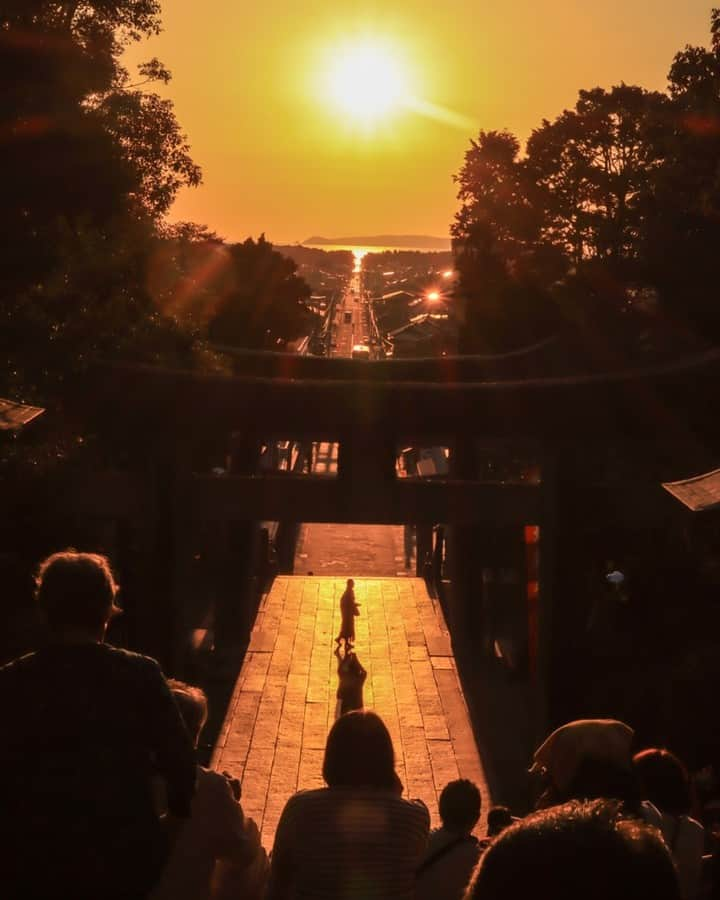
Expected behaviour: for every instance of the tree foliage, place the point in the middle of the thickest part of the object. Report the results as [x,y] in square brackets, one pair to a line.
[264,303]
[237,295]
[681,241]
[90,163]
[607,220]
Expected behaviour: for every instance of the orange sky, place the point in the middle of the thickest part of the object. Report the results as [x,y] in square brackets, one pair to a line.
[278,157]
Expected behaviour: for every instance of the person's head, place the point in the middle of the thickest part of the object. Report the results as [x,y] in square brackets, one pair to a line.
[499,818]
[359,753]
[664,781]
[350,583]
[76,592]
[192,703]
[587,759]
[459,806]
[586,850]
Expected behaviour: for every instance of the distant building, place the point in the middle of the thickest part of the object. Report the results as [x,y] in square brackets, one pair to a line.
[395,309]
[425,335]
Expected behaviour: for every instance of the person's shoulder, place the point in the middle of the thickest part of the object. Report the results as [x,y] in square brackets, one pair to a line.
[212,782]
[414,809]
[213,789]
[309,796]
[651,815]
[17,667]
[313,802]
[692,827]
[128,658]
[437,838]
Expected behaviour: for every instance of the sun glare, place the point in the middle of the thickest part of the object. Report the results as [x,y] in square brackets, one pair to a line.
[359,255]
[367,81]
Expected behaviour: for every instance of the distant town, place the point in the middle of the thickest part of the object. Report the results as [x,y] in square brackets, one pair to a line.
[410,292]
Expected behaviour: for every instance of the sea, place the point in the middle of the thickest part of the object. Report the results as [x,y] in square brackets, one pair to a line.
[359,248]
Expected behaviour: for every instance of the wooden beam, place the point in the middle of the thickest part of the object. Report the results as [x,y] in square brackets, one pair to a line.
[671,401]
[317,499]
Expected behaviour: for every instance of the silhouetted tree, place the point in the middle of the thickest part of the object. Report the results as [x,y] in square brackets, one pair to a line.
[607,226]
[144,126]
[262,302]
[592,169]
[503,263]
[683,234]
[89,163]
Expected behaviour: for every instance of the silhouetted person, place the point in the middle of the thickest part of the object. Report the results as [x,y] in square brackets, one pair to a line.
[351,678]
[453,851]
[348,610]
[576,850]
[357,837]
[664,781]
[588,759]
[88,726]
[216,844]
[499,818]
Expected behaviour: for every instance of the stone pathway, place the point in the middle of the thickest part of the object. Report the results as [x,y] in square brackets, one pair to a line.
[283,705]
[368,550]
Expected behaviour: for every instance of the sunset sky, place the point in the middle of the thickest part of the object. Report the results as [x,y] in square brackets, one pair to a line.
[286,153]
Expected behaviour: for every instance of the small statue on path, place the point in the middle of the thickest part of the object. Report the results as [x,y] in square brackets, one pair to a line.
[348,610]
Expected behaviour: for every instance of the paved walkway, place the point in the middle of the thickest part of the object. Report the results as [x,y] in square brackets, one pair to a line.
[284,700]
[334,549]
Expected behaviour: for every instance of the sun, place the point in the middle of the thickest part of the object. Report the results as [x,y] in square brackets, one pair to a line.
[367,81]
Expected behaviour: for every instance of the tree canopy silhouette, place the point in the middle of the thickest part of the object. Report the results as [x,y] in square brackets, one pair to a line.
[90,163]
[264,303]
[243,295]
[605,222]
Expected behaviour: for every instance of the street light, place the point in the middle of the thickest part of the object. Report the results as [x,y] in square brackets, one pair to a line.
[434,296]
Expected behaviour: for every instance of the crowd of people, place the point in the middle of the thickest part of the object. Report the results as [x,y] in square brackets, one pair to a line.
[102,796]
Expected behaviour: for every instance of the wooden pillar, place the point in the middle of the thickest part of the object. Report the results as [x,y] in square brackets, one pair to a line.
[236,595]
[553,487]
[161,615]
[424,547]
[235,605]
[464,544]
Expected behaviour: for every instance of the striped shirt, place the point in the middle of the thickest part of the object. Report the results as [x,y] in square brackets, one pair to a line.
[348,844]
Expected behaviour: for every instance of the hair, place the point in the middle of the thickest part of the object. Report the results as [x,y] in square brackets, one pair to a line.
[498,819]
[459,805]
[586,850]
[76,590]
[664,781]
[359,753]
[193,706]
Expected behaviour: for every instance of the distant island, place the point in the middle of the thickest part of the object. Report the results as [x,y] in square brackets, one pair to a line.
[414,241]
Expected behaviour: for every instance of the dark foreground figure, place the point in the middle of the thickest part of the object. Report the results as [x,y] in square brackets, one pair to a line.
[216,852]
[87,728]
[356,839]
[452,851]
[588,850]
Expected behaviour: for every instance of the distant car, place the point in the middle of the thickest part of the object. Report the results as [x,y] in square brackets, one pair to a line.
[361,351]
